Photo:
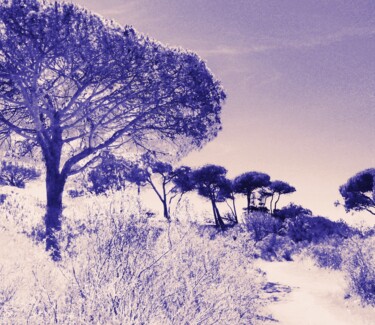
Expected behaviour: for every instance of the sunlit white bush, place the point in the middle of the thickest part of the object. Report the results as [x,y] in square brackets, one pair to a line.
[122,266]
[360,268]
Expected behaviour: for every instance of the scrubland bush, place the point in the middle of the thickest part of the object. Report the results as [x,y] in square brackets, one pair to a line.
[314,229]
[20,212]
[292,230]
[360,268]
[16,175]
[122,267]
[276,248]
[261,224]
[7,292]
[328,254]
[130,273]
[291,211]
[269,235]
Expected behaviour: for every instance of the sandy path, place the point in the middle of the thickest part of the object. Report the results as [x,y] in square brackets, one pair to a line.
[316,297]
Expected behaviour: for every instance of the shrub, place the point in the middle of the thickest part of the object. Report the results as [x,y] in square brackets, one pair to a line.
[275,247]
[291,211]
[261,224]
[121,267]
[16,175]
[328,254]
[314,229]
[360,268]
[76,193]
[127,271]
[7,292]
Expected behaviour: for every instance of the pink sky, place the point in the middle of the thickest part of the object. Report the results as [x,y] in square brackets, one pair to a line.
[300,80]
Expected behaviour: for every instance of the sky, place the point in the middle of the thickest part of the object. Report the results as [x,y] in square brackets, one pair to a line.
[300,81]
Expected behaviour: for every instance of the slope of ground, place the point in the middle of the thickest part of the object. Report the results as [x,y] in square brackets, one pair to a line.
[305,294]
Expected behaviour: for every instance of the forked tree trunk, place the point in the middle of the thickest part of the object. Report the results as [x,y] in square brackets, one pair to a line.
[55,187]
[163,198]
[218,220]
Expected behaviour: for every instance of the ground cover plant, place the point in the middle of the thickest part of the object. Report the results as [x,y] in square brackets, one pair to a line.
[121,266]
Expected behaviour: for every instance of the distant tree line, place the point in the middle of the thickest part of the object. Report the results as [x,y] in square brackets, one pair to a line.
[209,181]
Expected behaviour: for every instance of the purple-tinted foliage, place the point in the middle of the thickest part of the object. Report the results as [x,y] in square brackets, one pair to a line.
[111,174]
[73,84]
[281,187]
[16,175]
[248,182]
[183,179]
[278,188]
[314,229]
[359,192]
[211,182]
[291,211]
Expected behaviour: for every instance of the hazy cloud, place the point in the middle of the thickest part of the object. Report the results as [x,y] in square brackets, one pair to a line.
[279,44]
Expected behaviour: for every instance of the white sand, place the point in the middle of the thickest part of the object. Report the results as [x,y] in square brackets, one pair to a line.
[317,296]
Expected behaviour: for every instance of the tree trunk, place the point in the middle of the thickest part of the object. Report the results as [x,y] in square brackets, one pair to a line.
[271,203]
[278,198]
[248,201]
[165,203]
[165,209]
[55,186]
[162,197]
[214,212]
[220,223]
[235,211]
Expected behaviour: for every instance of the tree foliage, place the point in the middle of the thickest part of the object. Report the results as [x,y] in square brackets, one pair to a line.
[248,182]
[211,182]
[111,174]
[73,84]
[167,182]
[278,188]
[359,192]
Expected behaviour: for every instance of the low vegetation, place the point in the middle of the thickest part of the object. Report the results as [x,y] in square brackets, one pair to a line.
[122,266]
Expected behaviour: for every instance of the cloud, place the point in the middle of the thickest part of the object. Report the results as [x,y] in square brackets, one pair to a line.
[273,44]
[328,39]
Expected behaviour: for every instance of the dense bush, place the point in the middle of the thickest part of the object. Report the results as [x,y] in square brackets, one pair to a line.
[121,267]
[291,211]
[360,268]
[280,238]
[328,254]
[261,224]
[16,175]
[314,229]
[274,247]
